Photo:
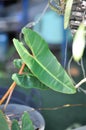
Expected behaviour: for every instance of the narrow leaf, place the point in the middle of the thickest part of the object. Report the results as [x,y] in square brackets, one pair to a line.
[28,81]
[43,63]
[15,125]
[3,122]
[67,13]
[79,43]
[26,122]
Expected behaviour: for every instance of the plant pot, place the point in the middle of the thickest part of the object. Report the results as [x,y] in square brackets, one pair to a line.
[81,128]
[15,111]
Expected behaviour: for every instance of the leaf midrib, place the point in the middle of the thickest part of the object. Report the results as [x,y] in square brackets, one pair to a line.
[50,73]
[35,58]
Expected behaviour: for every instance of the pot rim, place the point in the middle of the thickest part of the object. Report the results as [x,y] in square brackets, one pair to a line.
[14,111]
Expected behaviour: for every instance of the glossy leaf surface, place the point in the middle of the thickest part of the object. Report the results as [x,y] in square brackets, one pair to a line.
[26,122]
[28,81]
[43,64]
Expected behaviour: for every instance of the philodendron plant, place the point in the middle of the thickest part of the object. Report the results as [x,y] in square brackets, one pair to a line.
[7,124]
[39,69]
[42,70]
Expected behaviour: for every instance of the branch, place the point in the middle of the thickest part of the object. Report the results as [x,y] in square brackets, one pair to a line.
[13,85]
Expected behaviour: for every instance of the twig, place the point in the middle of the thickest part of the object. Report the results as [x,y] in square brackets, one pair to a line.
[80,83]
[8,99]
[10,90]
[13,85]
[49,109]
[31,24]
[61,107]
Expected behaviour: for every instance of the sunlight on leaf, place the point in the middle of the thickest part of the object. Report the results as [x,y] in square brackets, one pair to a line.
[79,43]
[43,64]
[67,13]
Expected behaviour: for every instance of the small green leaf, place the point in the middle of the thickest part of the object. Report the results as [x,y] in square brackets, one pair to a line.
[3,122]
[26,122]
[18,63]
[79,43]
[15,125]
[28,81]
[67,13]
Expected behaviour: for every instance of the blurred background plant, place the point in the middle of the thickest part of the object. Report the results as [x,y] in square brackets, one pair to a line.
[6,66]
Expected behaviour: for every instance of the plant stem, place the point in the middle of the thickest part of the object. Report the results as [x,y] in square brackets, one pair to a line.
[80,83]
[8,99]
[13,85]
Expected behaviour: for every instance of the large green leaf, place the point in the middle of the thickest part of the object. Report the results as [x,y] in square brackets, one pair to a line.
[26,122]
[3,122]
[67,12]
[15,125]
[28,81]
[43,63]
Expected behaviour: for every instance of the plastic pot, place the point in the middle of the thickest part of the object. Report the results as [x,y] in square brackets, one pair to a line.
[81,128]
[14,111]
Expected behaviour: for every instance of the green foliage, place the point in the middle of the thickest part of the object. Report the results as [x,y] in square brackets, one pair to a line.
[28,81]
[3,122]
[67,12]
[79,43]
[26,122]
[18,63]
[62,7]
[15,125]
[42,63]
